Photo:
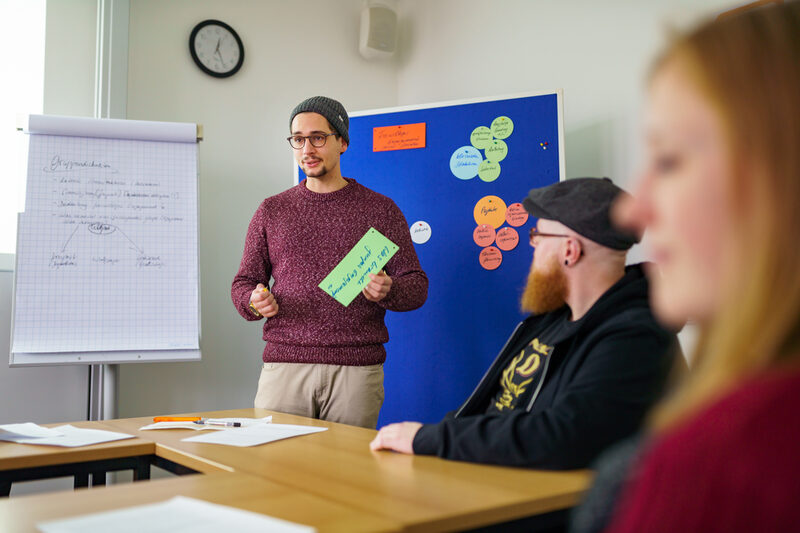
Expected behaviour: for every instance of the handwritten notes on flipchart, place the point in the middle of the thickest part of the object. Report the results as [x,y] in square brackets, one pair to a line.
[351,275]
[107,246]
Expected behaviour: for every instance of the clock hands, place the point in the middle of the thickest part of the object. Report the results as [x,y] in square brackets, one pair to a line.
[216,51]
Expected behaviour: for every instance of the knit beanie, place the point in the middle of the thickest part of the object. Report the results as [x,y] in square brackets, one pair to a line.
[328,108]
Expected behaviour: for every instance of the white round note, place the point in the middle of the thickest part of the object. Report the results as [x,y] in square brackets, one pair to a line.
[420,232]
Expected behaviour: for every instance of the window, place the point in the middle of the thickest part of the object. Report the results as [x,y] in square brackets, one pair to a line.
[21,93]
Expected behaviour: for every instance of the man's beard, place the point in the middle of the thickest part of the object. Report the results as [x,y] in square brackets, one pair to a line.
[318,172]
[546,289]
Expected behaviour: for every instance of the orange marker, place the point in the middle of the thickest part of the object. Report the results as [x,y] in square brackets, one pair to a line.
[176,418]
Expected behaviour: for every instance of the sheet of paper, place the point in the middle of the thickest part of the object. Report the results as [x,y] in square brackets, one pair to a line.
[254,435]
[245,422]
[177,515]
[351,275]
[24,430]
[71,437]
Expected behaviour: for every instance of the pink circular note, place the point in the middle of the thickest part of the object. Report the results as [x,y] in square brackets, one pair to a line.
[507,239]
[483,235]
[490,258]
[516,215]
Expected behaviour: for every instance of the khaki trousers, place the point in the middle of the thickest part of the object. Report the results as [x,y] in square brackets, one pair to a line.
[346,394]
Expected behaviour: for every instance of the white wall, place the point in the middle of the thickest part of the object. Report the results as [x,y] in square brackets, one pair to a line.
[292,51]
[70,57]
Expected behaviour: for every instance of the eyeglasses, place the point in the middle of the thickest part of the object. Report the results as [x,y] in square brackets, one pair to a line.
[536,233]
[317,140]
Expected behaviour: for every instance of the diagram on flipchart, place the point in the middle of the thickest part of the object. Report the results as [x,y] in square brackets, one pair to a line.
[106,244]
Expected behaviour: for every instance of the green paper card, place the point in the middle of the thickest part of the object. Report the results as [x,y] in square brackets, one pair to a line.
[351,275]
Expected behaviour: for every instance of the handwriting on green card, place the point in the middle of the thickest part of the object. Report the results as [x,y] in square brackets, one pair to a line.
[351,275]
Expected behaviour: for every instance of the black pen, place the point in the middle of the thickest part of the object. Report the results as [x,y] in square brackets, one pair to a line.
[207,422]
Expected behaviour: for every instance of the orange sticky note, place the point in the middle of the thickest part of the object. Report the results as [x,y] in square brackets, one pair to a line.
[516,215]
[483,235]
[401,137]
[490,258]
[507,239]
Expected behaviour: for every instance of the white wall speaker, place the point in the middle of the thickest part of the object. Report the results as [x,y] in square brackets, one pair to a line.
[378,31]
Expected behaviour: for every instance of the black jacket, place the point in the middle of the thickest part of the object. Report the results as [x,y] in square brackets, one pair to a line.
[600,382]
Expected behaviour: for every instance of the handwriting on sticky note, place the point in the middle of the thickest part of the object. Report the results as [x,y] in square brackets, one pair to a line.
[401,137]
[351,275]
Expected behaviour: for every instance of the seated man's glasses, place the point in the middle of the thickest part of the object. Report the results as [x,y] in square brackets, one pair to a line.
[534,233]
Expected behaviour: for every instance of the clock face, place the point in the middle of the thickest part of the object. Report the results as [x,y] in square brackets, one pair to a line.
[216,48]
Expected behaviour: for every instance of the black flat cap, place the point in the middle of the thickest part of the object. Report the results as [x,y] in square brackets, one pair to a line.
[583,205]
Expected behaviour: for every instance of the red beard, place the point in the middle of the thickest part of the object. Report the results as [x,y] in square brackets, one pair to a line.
[546,289]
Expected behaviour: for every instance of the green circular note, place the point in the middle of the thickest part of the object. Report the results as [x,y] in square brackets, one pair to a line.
[497,151]
[488,170]
[480,137]
[502,127]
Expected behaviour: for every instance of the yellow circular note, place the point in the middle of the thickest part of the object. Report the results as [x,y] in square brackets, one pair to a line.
[490,210]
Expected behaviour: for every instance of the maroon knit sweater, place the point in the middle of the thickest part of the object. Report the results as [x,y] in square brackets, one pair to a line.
[298,237]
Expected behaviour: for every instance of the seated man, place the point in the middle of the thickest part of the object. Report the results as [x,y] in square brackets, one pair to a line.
[581,372]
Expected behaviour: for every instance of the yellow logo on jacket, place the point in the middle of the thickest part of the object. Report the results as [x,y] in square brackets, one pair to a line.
[513,380]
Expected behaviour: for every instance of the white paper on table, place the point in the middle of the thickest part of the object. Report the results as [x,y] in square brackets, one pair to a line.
[71,437]
[24,430]
[245,422]
[254,435]
[177,515]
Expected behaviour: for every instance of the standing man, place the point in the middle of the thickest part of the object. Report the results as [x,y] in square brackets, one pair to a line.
[322,359]
[577,375]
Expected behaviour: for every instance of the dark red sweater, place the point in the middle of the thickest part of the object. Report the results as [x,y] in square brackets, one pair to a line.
[735,467]
[298,237]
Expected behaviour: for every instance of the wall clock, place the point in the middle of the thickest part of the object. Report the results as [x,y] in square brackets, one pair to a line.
[216,48]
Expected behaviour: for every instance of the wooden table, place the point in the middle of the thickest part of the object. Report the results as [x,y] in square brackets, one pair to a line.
[330,480]
[21,513]
[421,493]
[25,462]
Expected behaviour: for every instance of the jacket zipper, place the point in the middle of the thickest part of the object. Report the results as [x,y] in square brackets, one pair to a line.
[541,380]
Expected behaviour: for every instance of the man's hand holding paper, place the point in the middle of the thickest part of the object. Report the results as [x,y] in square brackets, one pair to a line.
[379,286]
